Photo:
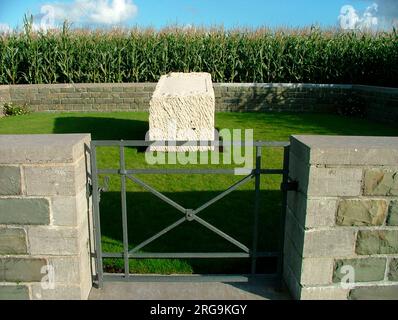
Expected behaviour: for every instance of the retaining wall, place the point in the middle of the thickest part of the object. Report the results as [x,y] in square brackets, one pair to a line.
[379,103]
[343,221]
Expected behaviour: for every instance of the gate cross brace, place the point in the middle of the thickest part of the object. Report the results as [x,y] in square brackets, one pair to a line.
[191,214]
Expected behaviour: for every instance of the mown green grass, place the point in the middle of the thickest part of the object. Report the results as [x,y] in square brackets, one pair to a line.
[148,215]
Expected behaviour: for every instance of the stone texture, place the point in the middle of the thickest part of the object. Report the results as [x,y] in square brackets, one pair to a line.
[13,241]
[10,180]
[366,270]
[324,293]
[393,270]
[346,150]
[66,210]
[64,180]
[21,269]
[375,293]
[14,292]
[53,240]
[361,212]
[46,148]
[392,219]
[182,108]
[313,212]
[24,211]
[377,242]
[381,182]
[318,243]
[60,292]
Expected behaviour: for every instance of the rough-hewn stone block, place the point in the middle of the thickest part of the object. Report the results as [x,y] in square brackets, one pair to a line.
[393,270]
[22,269]
[377,242]
[24,211]
[381,182]
[13,241]
[10,180]
[375,293]
[392,219]
[182,108]
[368,269]
[361,212]
[14,292]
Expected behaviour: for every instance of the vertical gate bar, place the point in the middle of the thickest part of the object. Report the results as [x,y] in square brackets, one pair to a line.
[256,209]
[285,182]
[124,211]
[96,215]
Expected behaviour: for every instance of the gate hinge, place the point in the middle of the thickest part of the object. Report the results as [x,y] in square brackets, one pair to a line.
[290,186]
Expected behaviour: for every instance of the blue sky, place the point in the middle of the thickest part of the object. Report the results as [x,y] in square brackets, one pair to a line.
[158,13]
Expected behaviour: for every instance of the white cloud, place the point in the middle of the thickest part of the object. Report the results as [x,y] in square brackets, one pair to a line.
[102,12]
[382,14]
[350,19]
[4,28]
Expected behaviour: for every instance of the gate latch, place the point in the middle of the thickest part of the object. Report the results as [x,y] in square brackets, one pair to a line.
[290,186]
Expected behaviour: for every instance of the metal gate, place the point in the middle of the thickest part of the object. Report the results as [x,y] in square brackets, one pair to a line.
[188,215]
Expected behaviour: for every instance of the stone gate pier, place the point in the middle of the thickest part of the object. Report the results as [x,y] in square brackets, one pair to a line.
[341,237]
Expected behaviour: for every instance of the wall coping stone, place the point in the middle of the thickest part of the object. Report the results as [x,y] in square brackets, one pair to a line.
[41,148]
[346,150]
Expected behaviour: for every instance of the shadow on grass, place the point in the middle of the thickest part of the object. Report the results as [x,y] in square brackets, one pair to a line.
[103,128]
[147,215]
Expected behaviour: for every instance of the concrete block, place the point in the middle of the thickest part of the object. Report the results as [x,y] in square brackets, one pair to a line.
[378,182]
[392,219]
[308,271]
[24,211]
[13,241]
[14,292]
[182,108]
[393,270]
[59,292]
[65,180]
[361,212]
[345,150]
[334,181]
[10,180]
[313,212]
[33,149]
[69,210]
[385,292]
[53,240]
[317,243]
[366,270]
[21,269]
[377,242]
[324,293]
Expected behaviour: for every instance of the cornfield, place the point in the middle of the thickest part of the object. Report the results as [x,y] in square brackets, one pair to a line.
[143,55]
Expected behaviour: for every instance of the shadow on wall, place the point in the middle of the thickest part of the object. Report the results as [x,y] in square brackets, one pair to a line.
[103,128]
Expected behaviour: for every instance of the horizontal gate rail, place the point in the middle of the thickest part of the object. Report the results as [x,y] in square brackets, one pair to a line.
[189,214]
[193,255]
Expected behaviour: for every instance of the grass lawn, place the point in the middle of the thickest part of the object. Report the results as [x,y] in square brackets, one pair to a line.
[147,215]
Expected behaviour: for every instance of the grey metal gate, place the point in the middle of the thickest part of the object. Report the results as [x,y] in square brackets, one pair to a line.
[189,215]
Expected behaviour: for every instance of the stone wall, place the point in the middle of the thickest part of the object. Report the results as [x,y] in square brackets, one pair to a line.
[44,217]
[379,103]
[344,218]
[136,97]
